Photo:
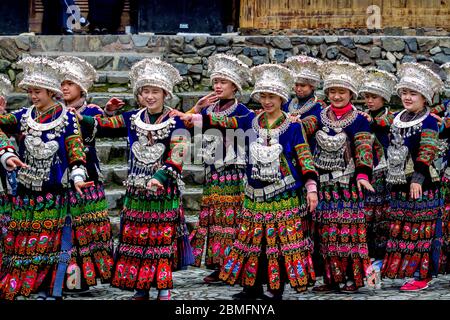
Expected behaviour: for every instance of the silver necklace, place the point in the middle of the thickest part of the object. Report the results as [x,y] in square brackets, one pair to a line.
[265,133]
[407,124]
[303,109]
[223,113]
[337,125]
[158,131]
[62,120]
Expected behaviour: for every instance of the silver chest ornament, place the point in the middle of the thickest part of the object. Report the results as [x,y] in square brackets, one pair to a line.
[398,156]
[147,153]
[295,110]
[40,155]
[210,143]
[209,148]
[330,151]
[266,158]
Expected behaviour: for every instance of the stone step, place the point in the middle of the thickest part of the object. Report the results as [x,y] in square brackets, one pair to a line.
[115,174]
[114,61]
[191,199]
[112,151]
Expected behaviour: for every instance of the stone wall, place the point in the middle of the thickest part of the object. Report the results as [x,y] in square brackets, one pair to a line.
[113,55]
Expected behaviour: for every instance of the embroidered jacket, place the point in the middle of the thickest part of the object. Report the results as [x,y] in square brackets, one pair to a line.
[173,150]
[423,149]
[356,147]
[92,161]
[380,126]
[295,162]
[219,153]
[444,132]
[65,141]
[314,106]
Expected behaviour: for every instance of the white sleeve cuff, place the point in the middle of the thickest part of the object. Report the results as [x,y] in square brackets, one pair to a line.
[78,174]
[5,157]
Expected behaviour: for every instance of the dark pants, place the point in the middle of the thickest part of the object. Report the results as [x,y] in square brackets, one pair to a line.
[105,14]
[56,18]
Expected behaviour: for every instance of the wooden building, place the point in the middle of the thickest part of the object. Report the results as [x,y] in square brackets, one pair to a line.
[220,16]
[338,14]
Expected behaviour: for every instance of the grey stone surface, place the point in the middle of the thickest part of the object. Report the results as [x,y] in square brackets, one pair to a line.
[393,44]
[282,42]
[200,41]
[206,51]
[196,68]
[260,60]
[385,65]
[435,50]
[182,68]
[362,57]
[188,285]
[189,49]
[4,64]
[332,52]
[412,44]
[140,40]
[441,58]
[255,40]
[246,60]
[223,41]
[347,42]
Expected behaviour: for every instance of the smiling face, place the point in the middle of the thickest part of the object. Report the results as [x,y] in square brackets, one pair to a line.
[40,97]
[412,100]
[339,97]
[270,102]
[152,98]
[224,89]
[303,89]
[373,101]
[71,91]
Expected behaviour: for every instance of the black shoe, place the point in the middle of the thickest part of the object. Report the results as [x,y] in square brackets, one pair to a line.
[96,31]
[246,295]
[68,31]
[213,278]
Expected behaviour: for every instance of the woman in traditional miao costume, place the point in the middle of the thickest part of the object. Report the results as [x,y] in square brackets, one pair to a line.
[223,191]
[416,202]
[5,185]
[273,242]
[92,247]
[442,113]
[52,147]
[306,105]
[344,160]
[377,89]
[151,219]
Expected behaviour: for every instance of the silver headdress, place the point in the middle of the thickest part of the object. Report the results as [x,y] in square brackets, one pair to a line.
[446,68]
[420,78]
[230,68]
[342,74]
[5,86]
[40,72]
[154,72]
[78,71]
[378,82]
[305,69]
[272,78]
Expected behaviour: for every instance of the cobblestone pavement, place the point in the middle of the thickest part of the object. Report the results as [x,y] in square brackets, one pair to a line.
[188,285]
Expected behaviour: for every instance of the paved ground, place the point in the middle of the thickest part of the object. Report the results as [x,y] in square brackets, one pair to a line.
[189,286]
